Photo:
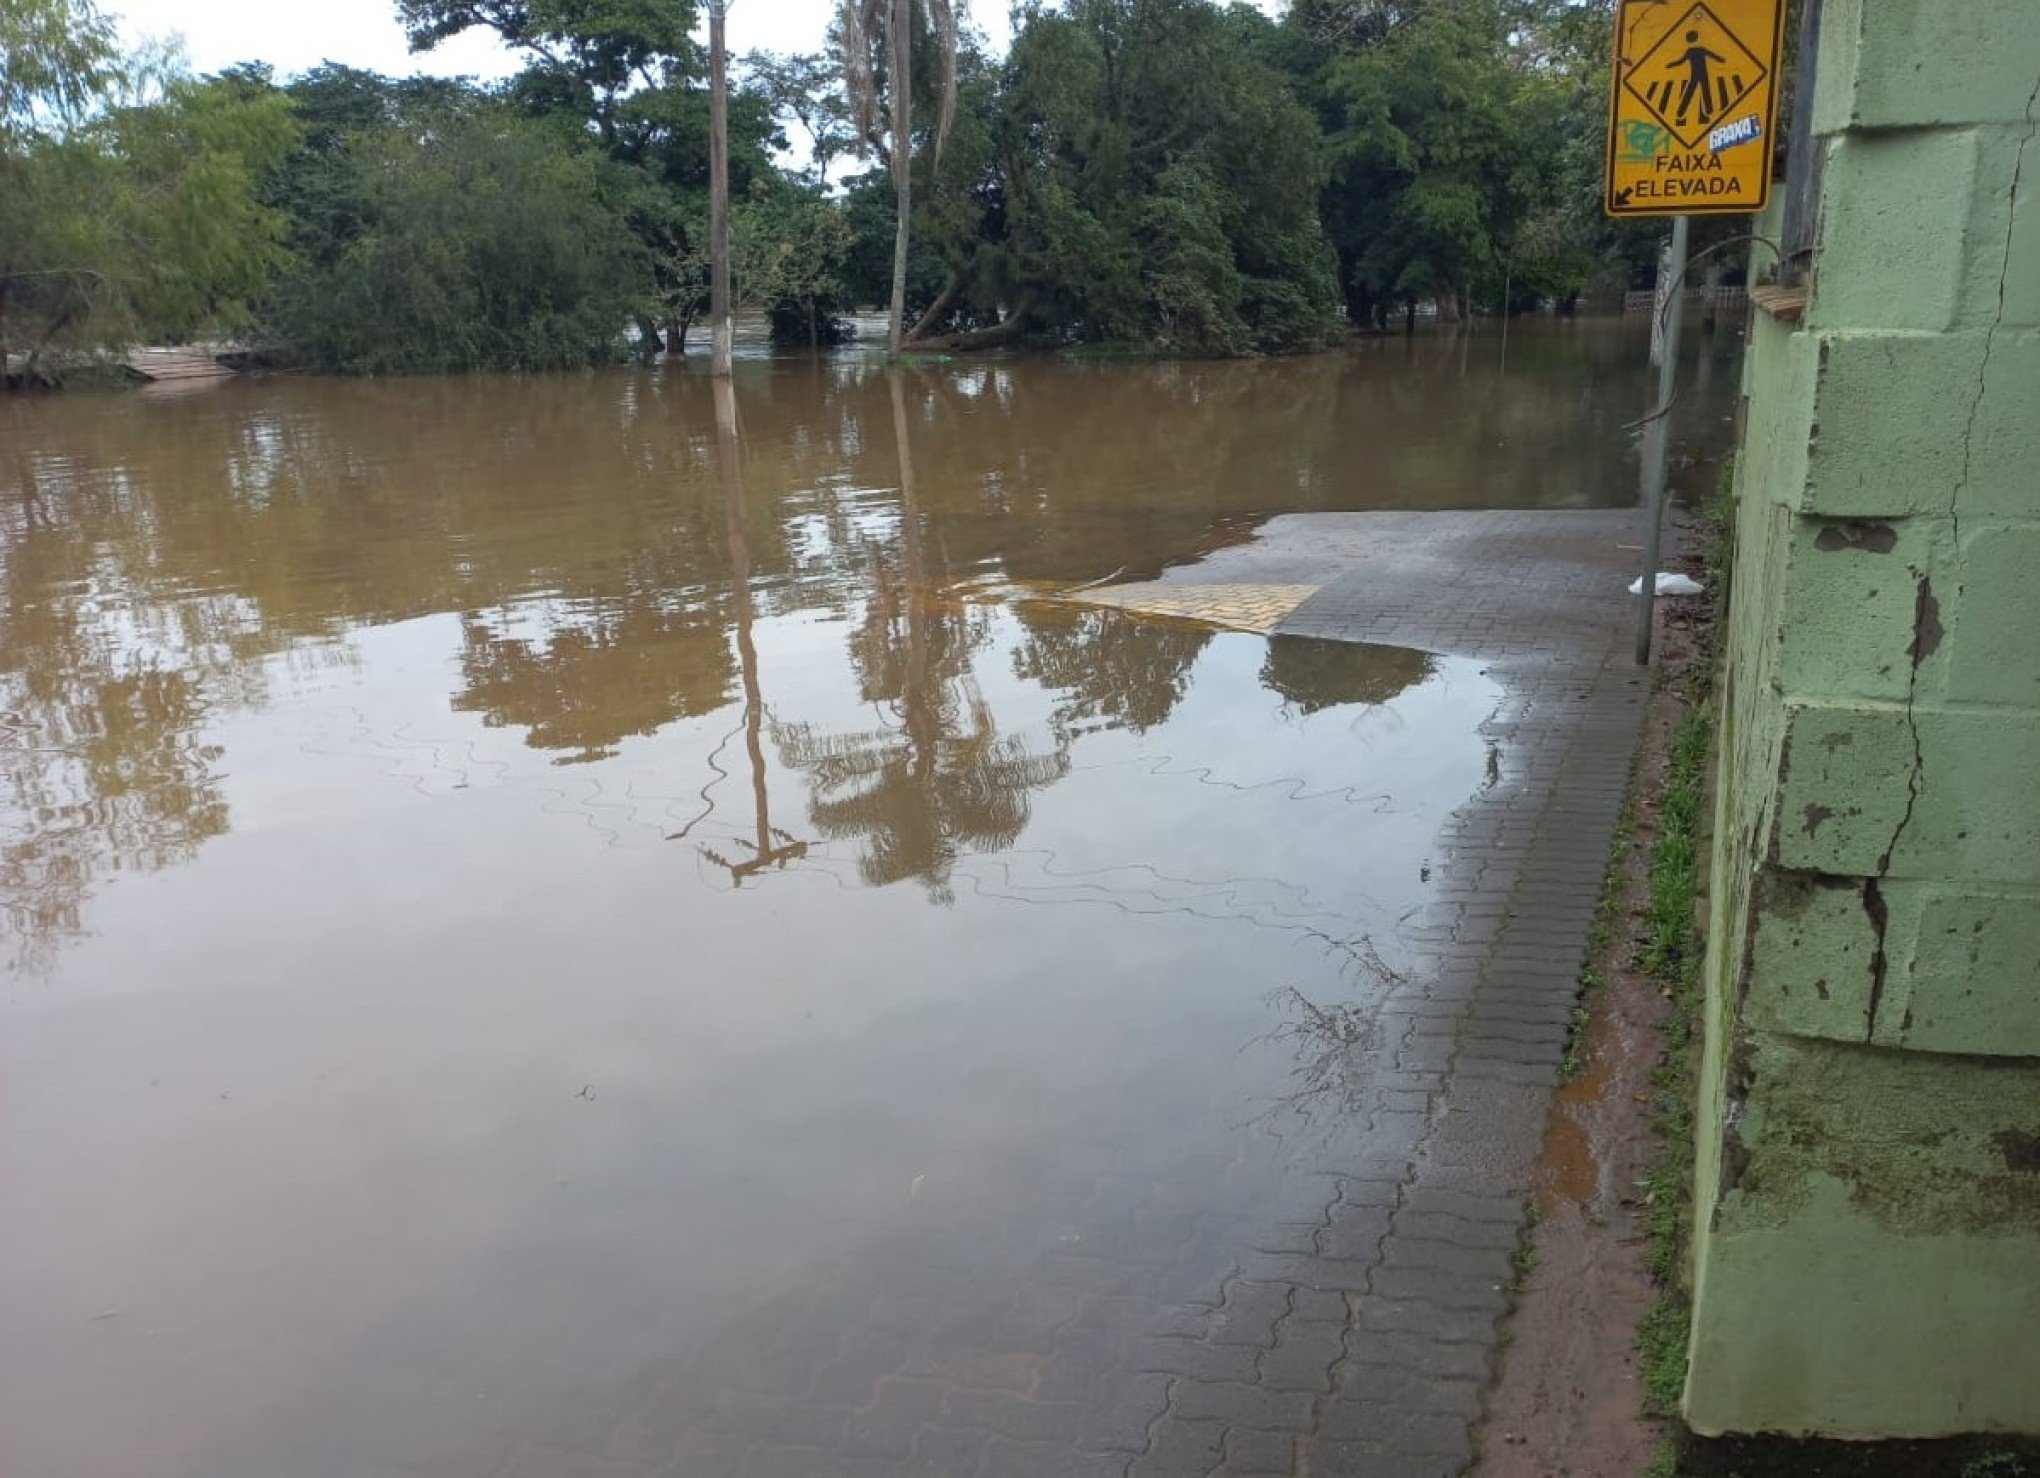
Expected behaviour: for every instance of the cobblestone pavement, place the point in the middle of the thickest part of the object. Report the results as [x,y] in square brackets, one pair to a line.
[1326,1306]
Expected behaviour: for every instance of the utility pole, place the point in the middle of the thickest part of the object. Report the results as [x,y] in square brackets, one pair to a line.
[1666,303]
[722,329]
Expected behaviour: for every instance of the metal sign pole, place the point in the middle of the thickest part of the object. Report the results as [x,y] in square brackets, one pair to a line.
[1666,315]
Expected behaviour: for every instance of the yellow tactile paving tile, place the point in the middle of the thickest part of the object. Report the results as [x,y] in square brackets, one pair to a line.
[1237,607]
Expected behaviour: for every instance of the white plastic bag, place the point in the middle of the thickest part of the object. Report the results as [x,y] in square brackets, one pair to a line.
[1669,583]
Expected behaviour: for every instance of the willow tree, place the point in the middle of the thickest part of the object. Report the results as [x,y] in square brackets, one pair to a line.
[877,40]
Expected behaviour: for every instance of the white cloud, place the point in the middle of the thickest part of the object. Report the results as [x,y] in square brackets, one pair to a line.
[296,35]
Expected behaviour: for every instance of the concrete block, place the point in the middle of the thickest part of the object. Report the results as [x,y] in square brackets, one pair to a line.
[1978,813]
[2021,274]
[2001,466]
[1829,1324]
[1912,63]
[1844,787]
[1971,811]
[1781,381]
[1809,968]
[1988,284]
[1892,254]
[1851,602]
[1991,651]
[1891,412]
[1974,980]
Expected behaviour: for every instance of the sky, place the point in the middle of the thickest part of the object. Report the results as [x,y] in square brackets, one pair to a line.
[296,35]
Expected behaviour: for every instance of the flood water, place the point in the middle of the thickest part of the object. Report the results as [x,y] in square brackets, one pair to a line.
[527,934]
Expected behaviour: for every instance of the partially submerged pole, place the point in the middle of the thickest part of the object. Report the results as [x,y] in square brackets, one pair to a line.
[722,330]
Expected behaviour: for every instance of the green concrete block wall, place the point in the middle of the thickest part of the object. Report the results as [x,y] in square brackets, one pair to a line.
[1867,1241]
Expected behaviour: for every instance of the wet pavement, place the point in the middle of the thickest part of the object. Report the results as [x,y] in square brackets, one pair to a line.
[544,937]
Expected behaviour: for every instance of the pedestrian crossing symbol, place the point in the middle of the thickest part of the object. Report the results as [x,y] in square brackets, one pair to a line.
[1694,106]
[1696,74]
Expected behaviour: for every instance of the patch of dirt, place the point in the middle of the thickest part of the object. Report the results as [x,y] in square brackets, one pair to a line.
[1568,1401]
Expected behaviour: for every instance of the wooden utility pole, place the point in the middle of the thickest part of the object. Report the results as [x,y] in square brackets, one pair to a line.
[721,327]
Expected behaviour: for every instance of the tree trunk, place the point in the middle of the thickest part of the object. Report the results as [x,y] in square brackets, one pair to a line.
[937,308]
[719,189]
[900,59]
[1409,317]
[1006,329]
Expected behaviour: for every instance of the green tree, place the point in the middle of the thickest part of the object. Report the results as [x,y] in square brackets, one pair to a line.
[876,38]
[455,238]
[59,60]
[806,89]
[1161,180]
[1426,147]
[129,193]
[629,72]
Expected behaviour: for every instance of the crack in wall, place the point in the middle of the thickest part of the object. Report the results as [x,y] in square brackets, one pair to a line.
[1879,914]
[1997,319]
[1927,634]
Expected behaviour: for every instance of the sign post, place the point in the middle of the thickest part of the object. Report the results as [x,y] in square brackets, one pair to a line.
[1657,435]
[1693,104]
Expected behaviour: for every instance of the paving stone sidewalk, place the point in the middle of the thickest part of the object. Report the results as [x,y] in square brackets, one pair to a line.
[1344,1325]
[1421,1254]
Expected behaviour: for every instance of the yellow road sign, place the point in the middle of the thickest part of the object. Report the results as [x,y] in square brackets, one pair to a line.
[1693,106]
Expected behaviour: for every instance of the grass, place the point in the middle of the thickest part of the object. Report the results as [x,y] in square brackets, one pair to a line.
[1670,951]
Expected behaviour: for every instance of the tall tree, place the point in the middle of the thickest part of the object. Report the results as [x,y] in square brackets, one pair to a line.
[877,41]
[806,88]
[1161,180]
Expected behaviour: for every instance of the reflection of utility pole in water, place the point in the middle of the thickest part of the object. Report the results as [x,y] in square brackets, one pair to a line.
[773,847]
[923,725]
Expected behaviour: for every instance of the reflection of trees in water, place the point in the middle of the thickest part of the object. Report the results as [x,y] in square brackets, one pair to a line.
[937,777]
[1108,670]
[581,516]
[1337,1046]
[938,781]
[109,668]
[627,668]
[103,774]
[1313,673]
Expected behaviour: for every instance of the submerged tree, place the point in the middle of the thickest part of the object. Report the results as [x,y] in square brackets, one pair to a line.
[1161,180]
[455,238]
[129,191]
[877,42]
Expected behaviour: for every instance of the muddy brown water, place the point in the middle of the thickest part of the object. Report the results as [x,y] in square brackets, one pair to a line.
[521,930]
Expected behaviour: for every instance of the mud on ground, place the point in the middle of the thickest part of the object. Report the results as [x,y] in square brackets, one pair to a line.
[1568,1400]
